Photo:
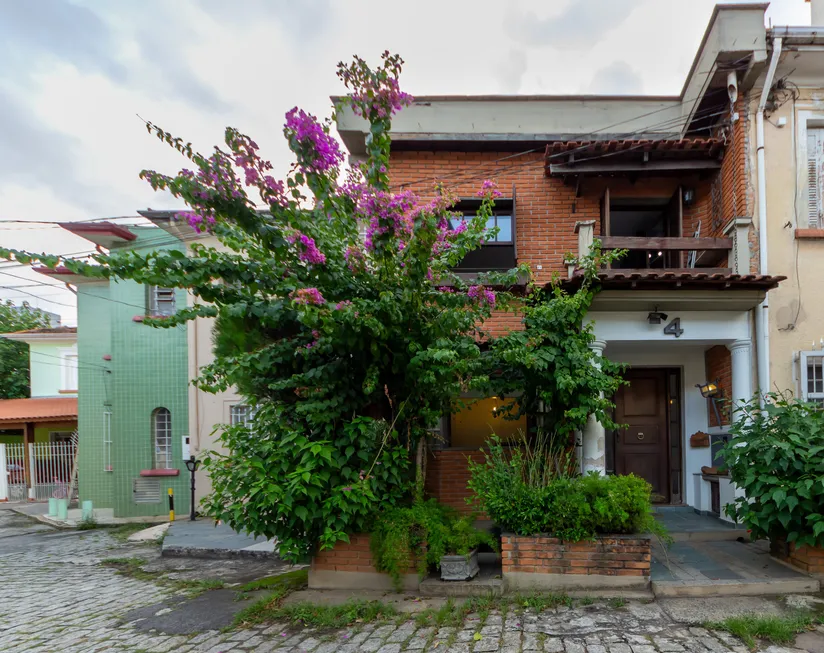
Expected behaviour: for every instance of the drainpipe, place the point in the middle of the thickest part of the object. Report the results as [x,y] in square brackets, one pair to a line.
[762,322]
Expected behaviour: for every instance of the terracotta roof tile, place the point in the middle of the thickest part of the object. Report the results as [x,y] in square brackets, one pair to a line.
[45,409]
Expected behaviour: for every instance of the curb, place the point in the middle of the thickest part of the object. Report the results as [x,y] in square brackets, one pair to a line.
[172,551]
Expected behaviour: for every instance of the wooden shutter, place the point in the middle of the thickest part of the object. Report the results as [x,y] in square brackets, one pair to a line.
[514,227]
[815,177]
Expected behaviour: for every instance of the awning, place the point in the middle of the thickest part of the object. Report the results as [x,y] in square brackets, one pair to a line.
[39,409]
[678,280]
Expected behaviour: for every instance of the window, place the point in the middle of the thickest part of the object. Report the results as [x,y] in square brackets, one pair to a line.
[64,437]
[161,301]
[107,440]
[162,438]
[815,177]
[241,414]
[503,221]
[69,370]
[812,376]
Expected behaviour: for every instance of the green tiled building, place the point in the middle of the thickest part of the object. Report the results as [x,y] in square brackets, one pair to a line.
[133,384]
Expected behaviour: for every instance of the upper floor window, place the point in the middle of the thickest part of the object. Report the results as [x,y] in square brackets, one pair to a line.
[162,438]
[499,249]
[69,381]
[812,376]
[815,177]
[161,301]
[241,414]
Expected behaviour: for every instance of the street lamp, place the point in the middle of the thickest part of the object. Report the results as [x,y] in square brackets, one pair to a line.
[192,466]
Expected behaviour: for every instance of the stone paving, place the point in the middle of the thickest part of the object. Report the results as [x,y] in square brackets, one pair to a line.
[56,597]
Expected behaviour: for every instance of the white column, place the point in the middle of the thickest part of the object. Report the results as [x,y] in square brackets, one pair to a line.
[594,436]
[741,373]
[4,474]
[32,471]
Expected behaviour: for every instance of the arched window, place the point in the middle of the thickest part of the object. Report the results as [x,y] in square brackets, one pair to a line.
[162,438]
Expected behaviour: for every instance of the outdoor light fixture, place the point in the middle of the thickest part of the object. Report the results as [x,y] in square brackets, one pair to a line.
[192,465]
[689,196]
[656,317]
[711,391]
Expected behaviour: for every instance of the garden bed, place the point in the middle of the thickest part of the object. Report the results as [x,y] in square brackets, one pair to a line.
[350,566]
[809,559]
[544,562]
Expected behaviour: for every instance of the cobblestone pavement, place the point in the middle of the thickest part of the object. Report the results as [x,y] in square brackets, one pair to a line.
[56,597]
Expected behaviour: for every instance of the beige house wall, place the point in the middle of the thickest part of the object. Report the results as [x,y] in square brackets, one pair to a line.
[207,411]
[796,309]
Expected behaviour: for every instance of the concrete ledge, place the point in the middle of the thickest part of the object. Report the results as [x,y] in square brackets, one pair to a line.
[520,580]
[462,588]
[324,579]
[668,589]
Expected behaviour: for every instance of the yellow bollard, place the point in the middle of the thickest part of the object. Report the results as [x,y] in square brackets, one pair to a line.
[171,505]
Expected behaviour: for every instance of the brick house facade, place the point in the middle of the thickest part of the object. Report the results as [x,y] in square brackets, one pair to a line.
[669,179]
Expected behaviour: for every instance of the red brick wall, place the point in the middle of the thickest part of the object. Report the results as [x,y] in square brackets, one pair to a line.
[807,558]
[546,209]
[447,474]
[606,556]
[354,556]
[502,323]
[718,361]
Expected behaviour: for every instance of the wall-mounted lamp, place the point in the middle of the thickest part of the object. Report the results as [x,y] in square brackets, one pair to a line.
[711,391]
[656,317]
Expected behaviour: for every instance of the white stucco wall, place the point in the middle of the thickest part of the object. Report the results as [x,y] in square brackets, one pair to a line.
[47,363]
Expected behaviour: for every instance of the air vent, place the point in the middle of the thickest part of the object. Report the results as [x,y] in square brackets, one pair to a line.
[146,490]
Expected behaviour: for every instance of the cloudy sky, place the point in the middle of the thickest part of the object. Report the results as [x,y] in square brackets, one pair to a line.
[75,76]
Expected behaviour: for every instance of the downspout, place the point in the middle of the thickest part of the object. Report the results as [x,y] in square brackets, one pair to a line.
[762,320]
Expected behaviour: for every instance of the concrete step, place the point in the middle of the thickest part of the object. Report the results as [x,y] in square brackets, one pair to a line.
[697,589]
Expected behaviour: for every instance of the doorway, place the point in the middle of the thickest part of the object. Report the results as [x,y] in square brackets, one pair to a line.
[648,444]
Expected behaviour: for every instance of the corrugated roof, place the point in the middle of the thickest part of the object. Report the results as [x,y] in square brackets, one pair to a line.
[38,409]
[692,280]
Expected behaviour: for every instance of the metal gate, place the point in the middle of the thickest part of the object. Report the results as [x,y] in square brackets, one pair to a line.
[37,471]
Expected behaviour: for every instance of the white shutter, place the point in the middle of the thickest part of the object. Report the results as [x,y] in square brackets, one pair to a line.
[815,177]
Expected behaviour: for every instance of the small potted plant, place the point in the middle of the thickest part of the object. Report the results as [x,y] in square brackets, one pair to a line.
[461,544]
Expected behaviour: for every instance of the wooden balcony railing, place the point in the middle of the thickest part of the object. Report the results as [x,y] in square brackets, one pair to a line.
[729,255]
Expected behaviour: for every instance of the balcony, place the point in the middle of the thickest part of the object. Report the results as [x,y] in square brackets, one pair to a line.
[678,255]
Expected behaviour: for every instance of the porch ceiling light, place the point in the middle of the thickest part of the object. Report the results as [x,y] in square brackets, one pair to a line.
[656,317]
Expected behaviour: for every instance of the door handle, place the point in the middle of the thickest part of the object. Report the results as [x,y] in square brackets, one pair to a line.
[640,435]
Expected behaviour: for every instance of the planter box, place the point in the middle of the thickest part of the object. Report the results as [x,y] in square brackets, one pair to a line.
[544,562]
[349,566]
[809,559]
[458,567]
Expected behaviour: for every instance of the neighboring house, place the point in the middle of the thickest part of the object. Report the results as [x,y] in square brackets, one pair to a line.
[133,383]
[49,415]
[207,412]
[794,157]
[669,179]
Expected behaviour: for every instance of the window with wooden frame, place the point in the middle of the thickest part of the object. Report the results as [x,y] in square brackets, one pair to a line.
[815,177]
[499,251]
[161,301]
[812,376]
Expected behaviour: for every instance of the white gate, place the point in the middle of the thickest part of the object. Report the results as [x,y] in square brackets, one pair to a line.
[37,471]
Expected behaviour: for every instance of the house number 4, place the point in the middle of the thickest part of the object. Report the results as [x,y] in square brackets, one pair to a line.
[674,328]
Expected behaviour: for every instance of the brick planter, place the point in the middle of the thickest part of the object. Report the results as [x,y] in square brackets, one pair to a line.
[349,566]
[809,559]
[543,562]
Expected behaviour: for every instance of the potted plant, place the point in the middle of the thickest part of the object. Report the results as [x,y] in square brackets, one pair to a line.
[460,562]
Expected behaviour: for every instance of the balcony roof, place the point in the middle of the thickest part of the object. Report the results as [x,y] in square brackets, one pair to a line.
[104,234]
[692,279]
[46,409]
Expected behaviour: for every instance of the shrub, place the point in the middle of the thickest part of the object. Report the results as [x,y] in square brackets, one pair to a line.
[776,455]
[424,531]
[570,507]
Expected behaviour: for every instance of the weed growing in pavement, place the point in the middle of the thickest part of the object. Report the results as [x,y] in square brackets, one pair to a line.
[88,524]
[617,602]
[586,600]
[122,532]
[311,614]
[776,629]
[292,580]
[133,568]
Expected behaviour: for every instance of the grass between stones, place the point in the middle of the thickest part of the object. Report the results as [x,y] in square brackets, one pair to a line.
[133,568]
[778,630]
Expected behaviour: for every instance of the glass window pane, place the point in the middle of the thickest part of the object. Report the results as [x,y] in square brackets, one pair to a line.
[505,228]
[490,224]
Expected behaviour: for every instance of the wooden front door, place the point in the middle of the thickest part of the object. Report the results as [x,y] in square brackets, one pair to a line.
[642,443]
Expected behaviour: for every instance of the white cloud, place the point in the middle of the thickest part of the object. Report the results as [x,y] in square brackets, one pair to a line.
[618,78]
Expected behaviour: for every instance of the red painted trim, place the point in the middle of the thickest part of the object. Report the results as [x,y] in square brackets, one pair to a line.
[59,270]
[138,318]
[160,472]
[98,228]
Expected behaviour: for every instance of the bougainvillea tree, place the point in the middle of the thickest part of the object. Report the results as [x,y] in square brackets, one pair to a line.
[337,315]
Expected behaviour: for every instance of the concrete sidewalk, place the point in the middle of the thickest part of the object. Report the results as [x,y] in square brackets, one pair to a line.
[205,539]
